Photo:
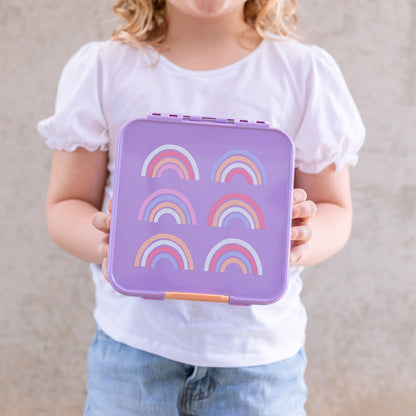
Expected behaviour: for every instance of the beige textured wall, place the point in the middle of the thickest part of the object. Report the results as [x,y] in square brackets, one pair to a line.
[361,335]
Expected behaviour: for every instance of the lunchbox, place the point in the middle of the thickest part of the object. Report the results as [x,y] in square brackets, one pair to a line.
[201,210]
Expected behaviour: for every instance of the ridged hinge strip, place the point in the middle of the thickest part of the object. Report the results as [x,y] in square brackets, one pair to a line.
[229,121]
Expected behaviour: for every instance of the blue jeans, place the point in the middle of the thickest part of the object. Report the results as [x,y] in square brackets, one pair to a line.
[125,381]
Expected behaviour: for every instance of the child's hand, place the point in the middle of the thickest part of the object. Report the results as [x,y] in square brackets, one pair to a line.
[101,221]
[302,212]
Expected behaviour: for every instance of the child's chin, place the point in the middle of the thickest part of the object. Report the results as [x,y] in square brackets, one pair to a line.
[209,8]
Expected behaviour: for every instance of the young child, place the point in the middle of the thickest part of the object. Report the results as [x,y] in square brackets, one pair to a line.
[217,58]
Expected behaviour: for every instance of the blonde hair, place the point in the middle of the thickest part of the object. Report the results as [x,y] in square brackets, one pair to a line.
[146,21]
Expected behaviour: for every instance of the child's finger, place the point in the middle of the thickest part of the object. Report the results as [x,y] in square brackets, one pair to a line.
[104,268]
[110,205]
[104,249]
[101,221]
[299,195]
[298,252]
[301,233]
[305,209]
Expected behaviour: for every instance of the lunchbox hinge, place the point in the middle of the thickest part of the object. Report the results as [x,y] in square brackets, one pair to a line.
[180,118]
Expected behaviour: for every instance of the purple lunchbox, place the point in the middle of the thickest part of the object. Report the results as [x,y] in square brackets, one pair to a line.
[201,210]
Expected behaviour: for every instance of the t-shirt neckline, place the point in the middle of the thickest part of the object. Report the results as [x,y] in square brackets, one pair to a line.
[212,72]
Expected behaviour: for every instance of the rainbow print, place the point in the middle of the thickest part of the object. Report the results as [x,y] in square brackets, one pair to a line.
[236,206]
[170,157]
[233,251]
[170,202]
[164,246]
[239,162]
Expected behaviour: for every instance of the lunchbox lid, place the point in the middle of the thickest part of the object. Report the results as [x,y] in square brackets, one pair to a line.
[201,210]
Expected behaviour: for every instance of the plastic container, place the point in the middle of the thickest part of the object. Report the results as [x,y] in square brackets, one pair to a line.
[201,210]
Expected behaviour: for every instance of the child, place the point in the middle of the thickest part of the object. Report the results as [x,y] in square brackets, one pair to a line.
[218,58]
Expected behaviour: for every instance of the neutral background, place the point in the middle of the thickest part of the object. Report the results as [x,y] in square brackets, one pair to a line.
[361,336]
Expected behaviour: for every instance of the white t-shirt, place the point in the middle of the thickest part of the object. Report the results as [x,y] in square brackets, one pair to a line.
[299,89]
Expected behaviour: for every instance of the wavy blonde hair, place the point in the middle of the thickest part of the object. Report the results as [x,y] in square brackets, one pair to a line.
[146,21]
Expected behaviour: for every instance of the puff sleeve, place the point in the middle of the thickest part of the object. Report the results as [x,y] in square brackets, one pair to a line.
[331,129]
[78,120]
